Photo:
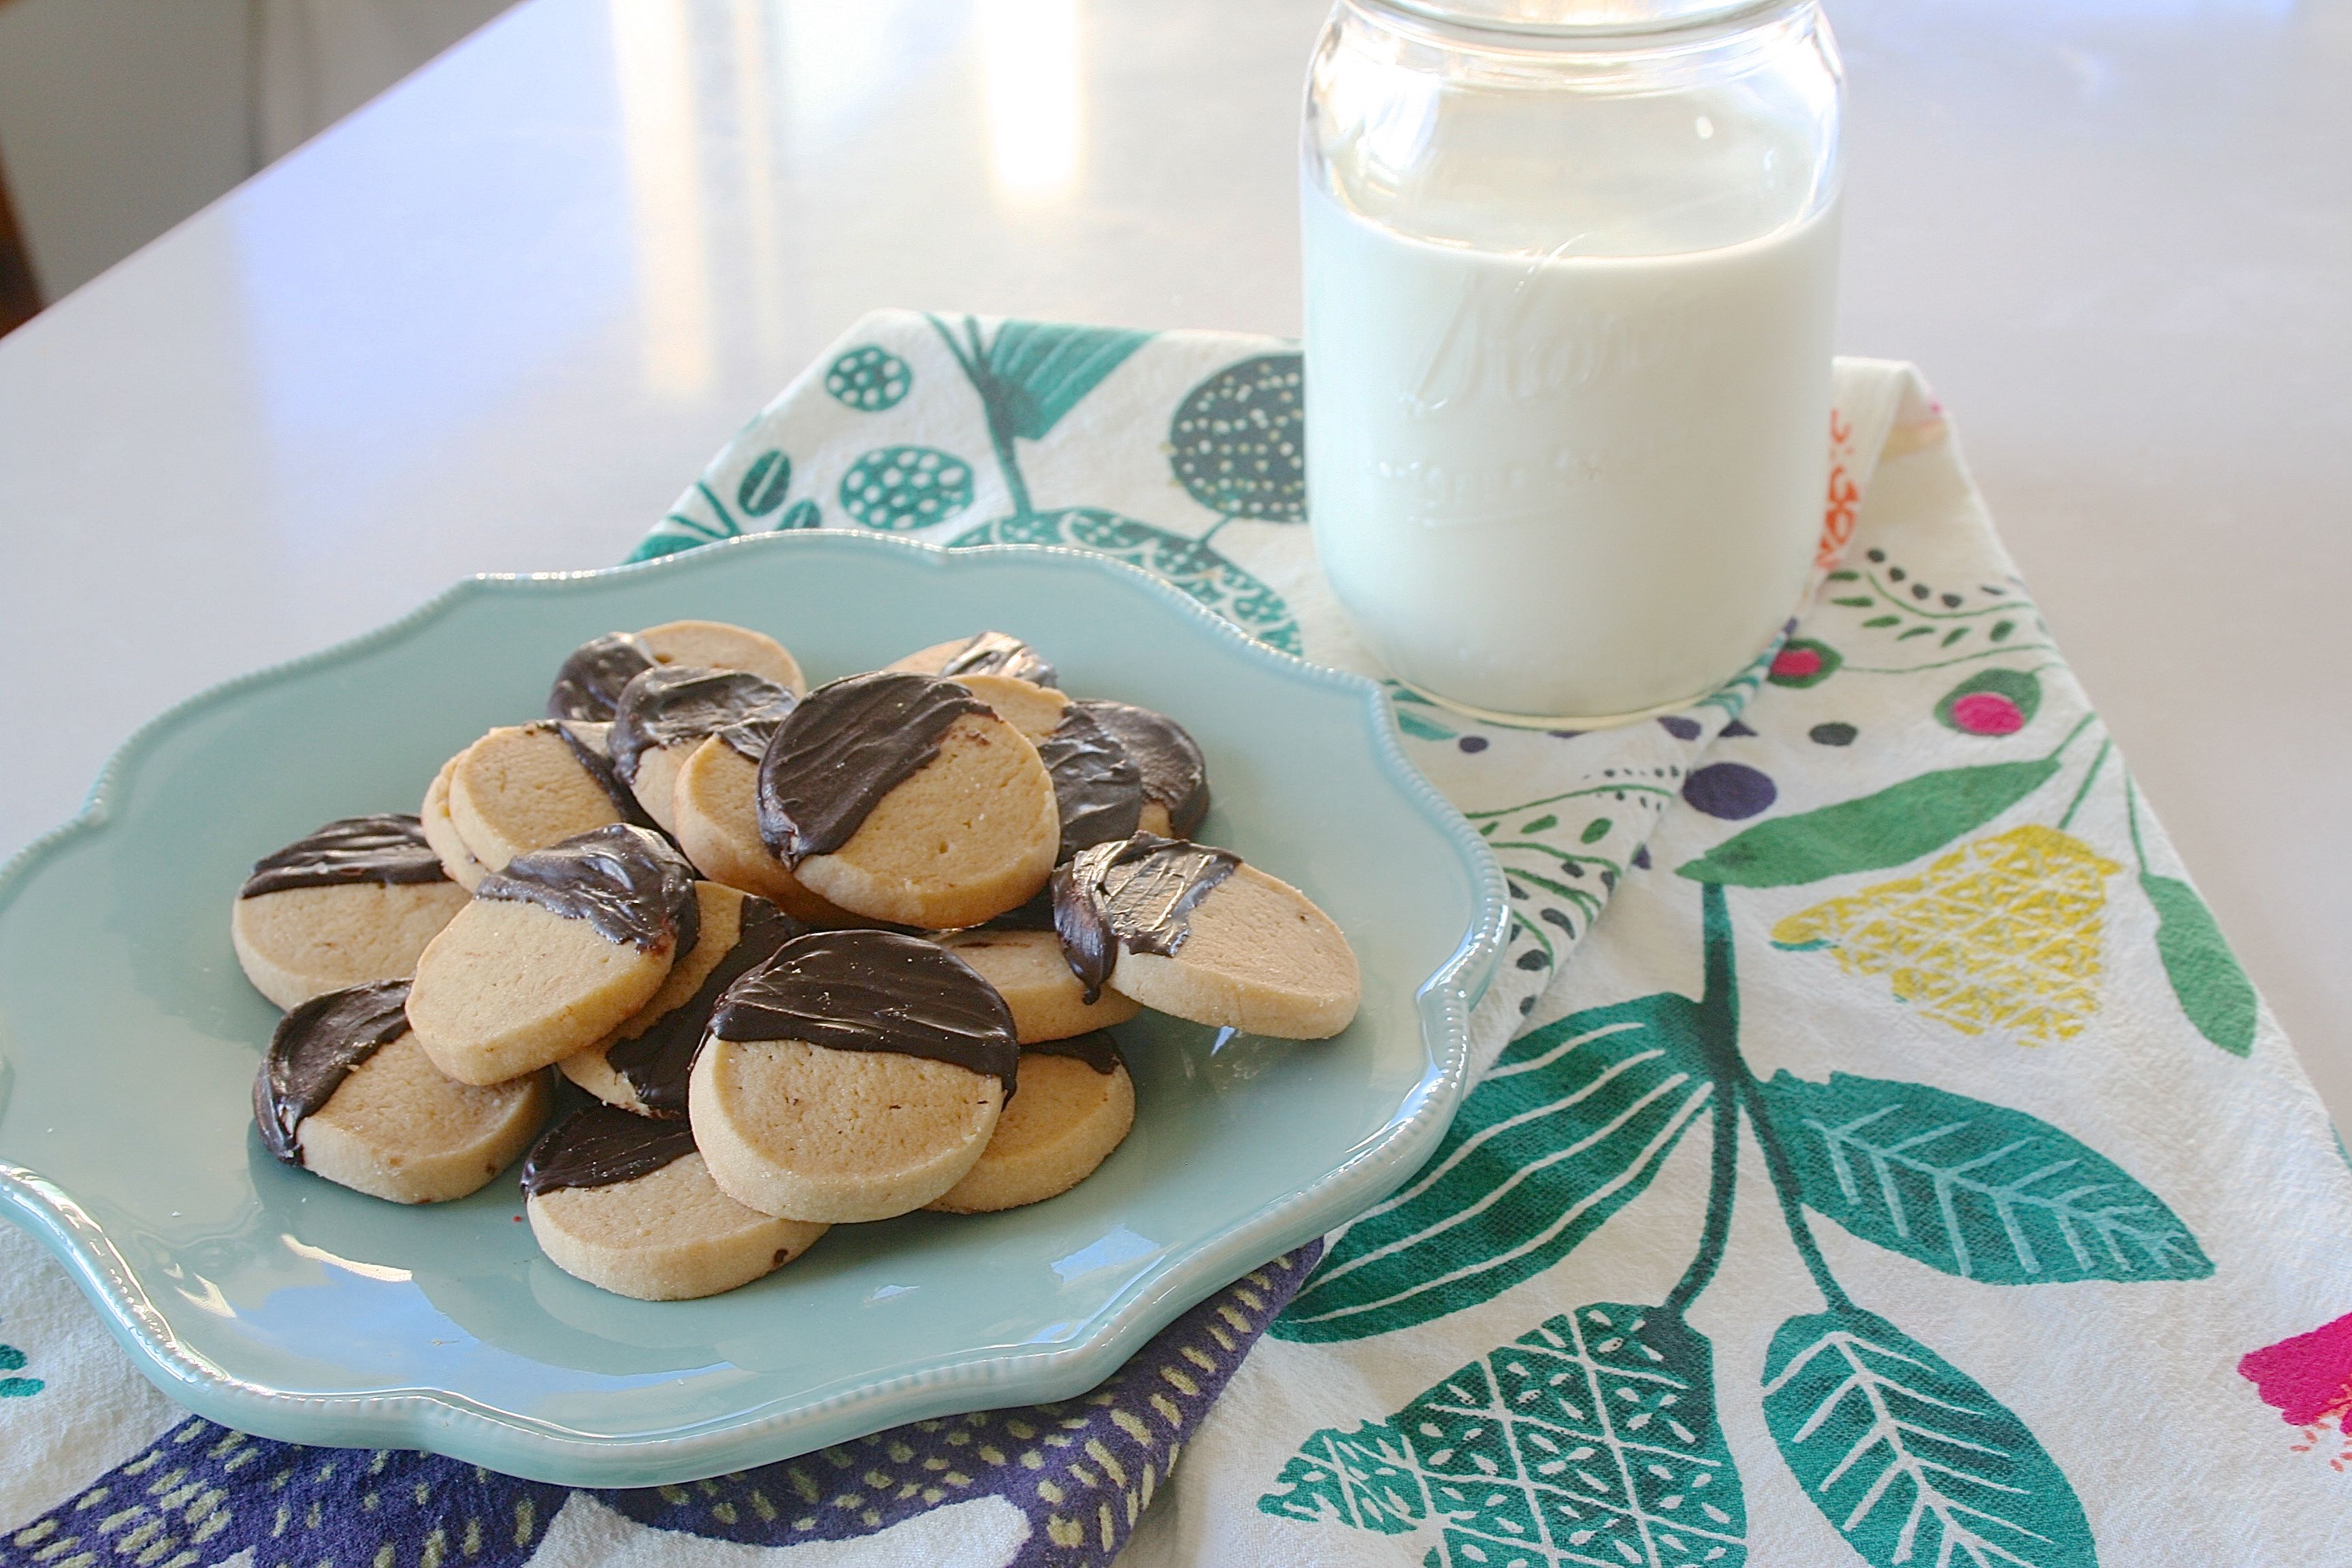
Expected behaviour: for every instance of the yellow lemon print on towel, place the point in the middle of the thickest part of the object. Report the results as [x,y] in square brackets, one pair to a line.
[2002,933]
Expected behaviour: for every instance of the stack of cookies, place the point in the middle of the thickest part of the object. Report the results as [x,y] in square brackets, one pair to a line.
[820,957]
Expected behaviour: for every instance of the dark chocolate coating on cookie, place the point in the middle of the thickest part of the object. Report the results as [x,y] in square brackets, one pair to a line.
[658,1062]
[317,1046]
[874,991]
[1000,652]
[1138,894]
[627,882]
[602,1146]
[1096,1048]
[672,704]
[1175,774]
[591,680]
[843,748]
[1098,788]
[384,849]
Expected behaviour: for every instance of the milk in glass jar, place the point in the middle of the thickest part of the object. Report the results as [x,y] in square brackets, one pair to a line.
[1571,270]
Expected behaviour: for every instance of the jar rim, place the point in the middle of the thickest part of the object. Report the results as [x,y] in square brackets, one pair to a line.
[1694,16]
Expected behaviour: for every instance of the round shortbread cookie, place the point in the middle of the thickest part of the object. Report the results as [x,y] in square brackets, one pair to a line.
[593,674]
[666,712]
[553,954]
[988,653]
[718,821]
[855,1076]
[1175,774]
[442,833]
[641,1066]
[1075,1107]
[523,787]
[1096,788]
[716,645]
[1029,972]
[347,1091]
[629,1206]
[357,901]
[902,797]
[1032,709]
[1193,931]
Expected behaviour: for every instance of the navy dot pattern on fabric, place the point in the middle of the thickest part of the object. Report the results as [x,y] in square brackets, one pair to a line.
[1082,1469]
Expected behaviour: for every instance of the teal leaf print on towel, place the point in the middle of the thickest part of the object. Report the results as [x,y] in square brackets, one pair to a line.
[1191,565]
[1907,1457]
[1039,371]
[1975,1190]
[1238,441]
[901,488]
[868,378]
[2212,988]
[679,531]
[1567,1128]
[801,514]
[1592,1440]
[654,546]
[765,484]
[11,1360]
[1029,376]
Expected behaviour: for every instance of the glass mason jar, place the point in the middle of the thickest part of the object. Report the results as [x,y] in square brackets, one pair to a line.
[1570,271]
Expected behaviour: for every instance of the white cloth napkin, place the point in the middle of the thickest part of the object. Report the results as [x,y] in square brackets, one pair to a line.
[1878,1155]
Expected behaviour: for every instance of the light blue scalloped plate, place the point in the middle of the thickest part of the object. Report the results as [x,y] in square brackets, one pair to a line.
[273,1301]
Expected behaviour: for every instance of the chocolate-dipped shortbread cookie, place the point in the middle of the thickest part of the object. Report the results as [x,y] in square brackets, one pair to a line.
[1076,1105]
[905,799]
[855,1076]
[663,714]
[592,674]
[441,832]
[641,1066]
[1175,774]
[988,653]
[1028,970]
[525,786]
[627,1204]
[356,900]
[1192,931]
[554,951]
[715,800]
[346,1090]
[718,645]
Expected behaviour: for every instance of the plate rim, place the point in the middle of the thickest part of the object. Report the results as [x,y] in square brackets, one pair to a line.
[450,1422]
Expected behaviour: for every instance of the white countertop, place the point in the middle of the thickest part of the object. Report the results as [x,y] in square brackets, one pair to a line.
[495,320]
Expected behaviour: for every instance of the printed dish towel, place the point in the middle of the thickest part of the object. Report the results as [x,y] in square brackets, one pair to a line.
[1875,1156]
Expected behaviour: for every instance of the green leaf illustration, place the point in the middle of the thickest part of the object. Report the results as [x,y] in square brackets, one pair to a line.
[2205,974]
[1039,371]
[1897,824]
[1567,1126]
[1238,441]
[1975,1190]
[765,484]
[1421,729]
[1909,1457]
[1191,565]
[803,514]
[901,488]
[1592,1440]
[868,378]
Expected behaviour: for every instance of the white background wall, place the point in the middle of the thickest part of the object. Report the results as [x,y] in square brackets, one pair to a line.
[119,118]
